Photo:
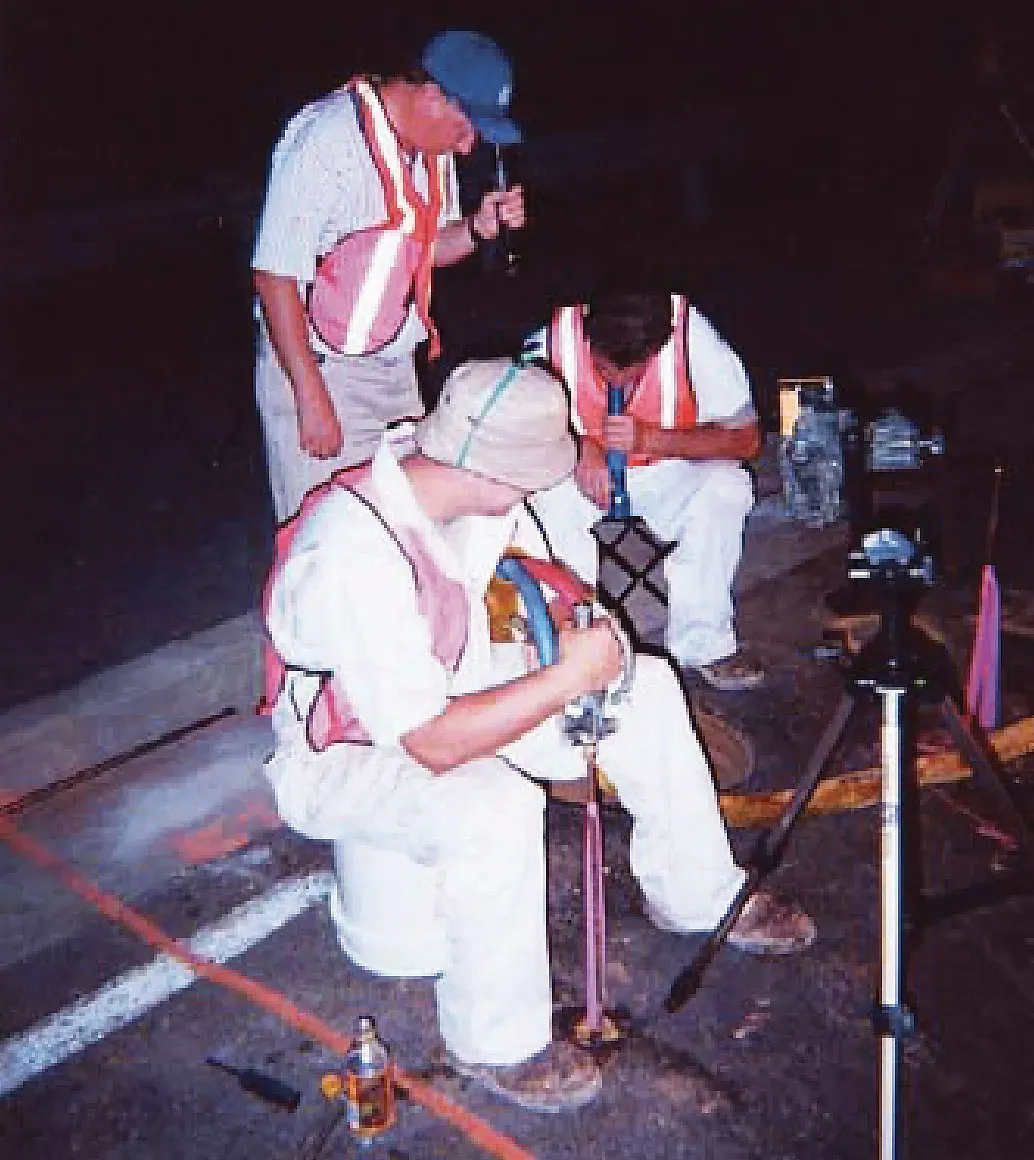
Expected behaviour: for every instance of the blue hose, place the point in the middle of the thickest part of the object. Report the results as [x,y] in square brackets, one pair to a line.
[540,623]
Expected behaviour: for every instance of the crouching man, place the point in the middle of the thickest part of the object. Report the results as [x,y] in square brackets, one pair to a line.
[403,736]
[687,425]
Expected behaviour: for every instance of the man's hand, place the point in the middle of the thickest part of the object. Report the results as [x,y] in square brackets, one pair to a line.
[319,429]
[498,208]
[624,433]
[591,475]
[458,239]
[593,656]
[479,724]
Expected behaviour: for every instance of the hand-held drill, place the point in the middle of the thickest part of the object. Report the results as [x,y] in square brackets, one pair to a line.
[585,721]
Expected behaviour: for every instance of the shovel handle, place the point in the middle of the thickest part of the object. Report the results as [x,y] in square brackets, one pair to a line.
[617,462]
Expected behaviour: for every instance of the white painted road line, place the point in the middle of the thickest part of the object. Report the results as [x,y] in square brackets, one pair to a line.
[123,999]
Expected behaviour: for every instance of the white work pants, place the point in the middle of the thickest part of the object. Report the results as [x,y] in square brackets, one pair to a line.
[368,392]
[702,507]
[478,832]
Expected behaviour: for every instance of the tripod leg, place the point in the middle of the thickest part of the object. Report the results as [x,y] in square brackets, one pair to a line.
[765,856]
[976,749]
[770,846]
[974,745]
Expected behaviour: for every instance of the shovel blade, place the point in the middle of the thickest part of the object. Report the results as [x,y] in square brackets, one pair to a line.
[631,561]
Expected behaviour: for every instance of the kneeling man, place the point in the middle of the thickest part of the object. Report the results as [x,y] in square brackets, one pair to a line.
[403,735]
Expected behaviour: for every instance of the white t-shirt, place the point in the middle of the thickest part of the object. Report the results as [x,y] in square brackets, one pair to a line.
[323,185]
[716,371]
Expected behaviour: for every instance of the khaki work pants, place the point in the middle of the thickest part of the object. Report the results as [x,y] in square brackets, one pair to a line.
[369,392]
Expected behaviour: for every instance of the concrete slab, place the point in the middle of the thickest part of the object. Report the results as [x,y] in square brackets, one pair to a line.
[114,711]
[136,827]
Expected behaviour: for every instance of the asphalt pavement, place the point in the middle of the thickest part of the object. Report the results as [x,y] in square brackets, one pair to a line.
[104,1045]
[145,520]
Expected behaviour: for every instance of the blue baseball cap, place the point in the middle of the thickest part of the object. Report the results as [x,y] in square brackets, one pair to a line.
[471,69]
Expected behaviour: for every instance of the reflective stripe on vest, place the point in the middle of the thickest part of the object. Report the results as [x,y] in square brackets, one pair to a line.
[442,604]
[567,350]
[360,295]
[667,364]
[665,394]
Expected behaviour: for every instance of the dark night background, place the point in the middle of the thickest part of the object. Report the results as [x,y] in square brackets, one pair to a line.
[135,143]
[122,99]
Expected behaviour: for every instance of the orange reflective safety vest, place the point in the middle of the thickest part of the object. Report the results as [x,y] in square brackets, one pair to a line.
[363,286]
[442,602]
[663,396]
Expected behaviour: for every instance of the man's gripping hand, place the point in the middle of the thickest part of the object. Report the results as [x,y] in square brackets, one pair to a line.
[592,657]
[499,208]
[625,433]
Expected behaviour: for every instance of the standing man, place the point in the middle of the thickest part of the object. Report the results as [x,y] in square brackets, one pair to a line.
[362,202]
[402,734]
[688,423]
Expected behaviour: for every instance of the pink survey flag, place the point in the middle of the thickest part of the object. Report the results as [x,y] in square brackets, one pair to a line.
[983,690]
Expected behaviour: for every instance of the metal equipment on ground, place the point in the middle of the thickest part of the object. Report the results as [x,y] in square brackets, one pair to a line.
[898,667]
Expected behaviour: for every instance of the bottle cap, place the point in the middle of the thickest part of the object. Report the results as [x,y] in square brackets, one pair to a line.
[332,1085]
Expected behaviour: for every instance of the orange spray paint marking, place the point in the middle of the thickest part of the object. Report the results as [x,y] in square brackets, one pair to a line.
[483,1135]
[984,828]
[225,835]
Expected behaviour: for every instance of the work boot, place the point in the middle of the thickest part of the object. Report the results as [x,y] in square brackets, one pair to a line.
[733,674]
[560,1078]
[770,927]
[766,926]
[729,751]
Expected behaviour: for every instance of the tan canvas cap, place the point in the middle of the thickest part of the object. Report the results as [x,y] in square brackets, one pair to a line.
[503,420]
